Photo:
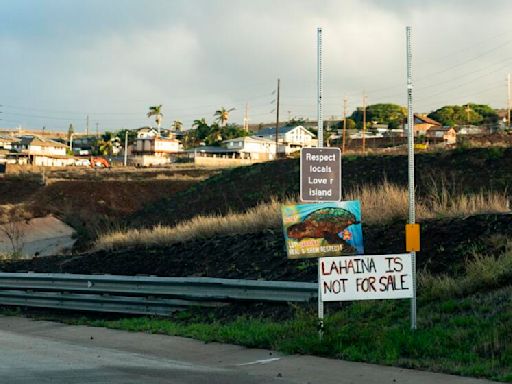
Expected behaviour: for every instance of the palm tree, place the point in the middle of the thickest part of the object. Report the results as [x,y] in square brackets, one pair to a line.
[156,111]
[199,122]
[177,125]
[223,115]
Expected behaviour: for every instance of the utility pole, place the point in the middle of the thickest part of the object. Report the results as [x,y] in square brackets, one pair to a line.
[125,148]
[344,125]
[364,123]
[277,122]
[508,100]
[87,126]
[246,118]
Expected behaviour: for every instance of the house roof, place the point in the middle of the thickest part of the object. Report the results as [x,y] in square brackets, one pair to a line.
[7,139]
[282,130]
[251,138]
[146,129]
[47,143]
[40,141]
[426,119]
[209,149]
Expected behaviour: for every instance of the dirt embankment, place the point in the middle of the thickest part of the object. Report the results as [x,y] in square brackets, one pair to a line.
[467,170]
[90,206]
[445,246]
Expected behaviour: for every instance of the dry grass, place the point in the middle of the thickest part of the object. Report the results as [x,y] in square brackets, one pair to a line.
[482,272]
[388,201]
[378,203]
[254,220]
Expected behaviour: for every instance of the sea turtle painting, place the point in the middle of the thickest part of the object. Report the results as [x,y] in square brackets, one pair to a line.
[326,223]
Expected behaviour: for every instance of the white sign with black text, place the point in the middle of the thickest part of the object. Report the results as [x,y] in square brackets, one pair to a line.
[366,277]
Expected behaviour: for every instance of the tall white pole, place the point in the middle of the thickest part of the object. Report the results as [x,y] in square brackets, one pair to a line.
[320,145]
[319,101]
[126,148]
[410,144]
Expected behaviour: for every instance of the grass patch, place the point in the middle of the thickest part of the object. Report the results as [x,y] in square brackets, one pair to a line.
[380,204]
[483,272]
[469,337]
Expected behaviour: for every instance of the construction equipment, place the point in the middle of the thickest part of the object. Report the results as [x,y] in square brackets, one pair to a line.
[99,162]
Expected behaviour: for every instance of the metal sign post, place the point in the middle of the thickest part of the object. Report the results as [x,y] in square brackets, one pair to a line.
[320,145]
[410,145]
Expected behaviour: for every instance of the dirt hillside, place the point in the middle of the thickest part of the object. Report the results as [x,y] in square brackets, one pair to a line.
[445,246]
[466,170]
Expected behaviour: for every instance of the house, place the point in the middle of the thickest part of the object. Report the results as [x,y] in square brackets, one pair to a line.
[472,130]
[422,124]
[149,149]
[446,135]
[6,142]
[291,138]
[252,147]
[43,152]
[46,147]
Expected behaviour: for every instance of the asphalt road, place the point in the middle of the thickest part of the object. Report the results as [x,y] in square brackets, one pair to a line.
[45,352]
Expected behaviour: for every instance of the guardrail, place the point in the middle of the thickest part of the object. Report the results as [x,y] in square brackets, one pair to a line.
[141,294]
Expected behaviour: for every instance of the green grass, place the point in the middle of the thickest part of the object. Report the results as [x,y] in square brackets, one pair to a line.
[464,324]
[469,336]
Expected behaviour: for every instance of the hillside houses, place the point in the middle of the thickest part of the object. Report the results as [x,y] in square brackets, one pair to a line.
[151,149]
[40,151]
[290,138]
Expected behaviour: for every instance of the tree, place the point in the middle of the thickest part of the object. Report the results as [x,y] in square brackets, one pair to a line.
[214,135]
[14,230]
[177,125]
[223,115]
[470,113]
[105,144]
[351,124]
[383,113]
[202,128]
[132,135]
[156,111]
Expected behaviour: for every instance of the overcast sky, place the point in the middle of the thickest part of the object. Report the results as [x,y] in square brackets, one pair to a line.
[111,60]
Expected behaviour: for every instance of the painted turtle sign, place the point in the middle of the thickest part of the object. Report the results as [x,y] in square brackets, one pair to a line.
[320,174]
[322,229]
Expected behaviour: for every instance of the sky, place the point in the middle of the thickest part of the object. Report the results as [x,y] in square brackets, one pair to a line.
[64,60]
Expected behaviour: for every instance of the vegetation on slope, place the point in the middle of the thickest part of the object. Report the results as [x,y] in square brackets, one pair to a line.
[236,190]
[380,204]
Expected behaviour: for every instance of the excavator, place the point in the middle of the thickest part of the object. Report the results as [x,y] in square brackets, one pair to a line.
[99,162]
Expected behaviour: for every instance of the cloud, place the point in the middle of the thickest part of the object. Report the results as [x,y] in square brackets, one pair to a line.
[114,59]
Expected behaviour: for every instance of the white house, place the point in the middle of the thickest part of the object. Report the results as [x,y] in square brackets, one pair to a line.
[292,138]
[46,147]
[43,152]
[149,151]
[252,147]
[6,142]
